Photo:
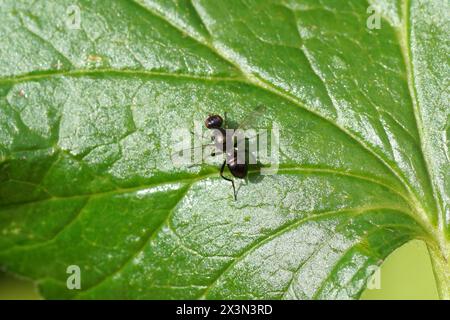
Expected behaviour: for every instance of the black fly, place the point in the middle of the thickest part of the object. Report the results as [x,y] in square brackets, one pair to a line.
[233,150]
[219,136]
[237,159]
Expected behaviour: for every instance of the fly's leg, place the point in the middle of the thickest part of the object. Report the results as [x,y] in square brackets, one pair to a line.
[228,179]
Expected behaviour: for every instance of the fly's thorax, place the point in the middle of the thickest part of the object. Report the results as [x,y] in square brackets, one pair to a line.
[218,138]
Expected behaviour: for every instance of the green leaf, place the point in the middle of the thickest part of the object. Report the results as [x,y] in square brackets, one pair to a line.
[86,117]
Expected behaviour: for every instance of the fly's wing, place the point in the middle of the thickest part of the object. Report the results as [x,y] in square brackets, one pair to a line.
[249,121]
[251,118]
[198,152]
[248,144]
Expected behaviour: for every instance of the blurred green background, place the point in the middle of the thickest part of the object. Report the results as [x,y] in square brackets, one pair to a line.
[406,274]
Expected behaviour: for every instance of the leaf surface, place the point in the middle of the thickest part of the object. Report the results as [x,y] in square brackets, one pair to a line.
[86,120]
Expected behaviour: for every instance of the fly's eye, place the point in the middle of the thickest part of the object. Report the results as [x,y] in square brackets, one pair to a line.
[219,121]
[213,122]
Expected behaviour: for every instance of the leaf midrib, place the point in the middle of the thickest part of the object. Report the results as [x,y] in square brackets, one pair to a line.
[187,181]
[403,37]
[282,169]
[118,72]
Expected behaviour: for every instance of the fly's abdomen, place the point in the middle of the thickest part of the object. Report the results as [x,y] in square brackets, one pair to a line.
[238,170]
